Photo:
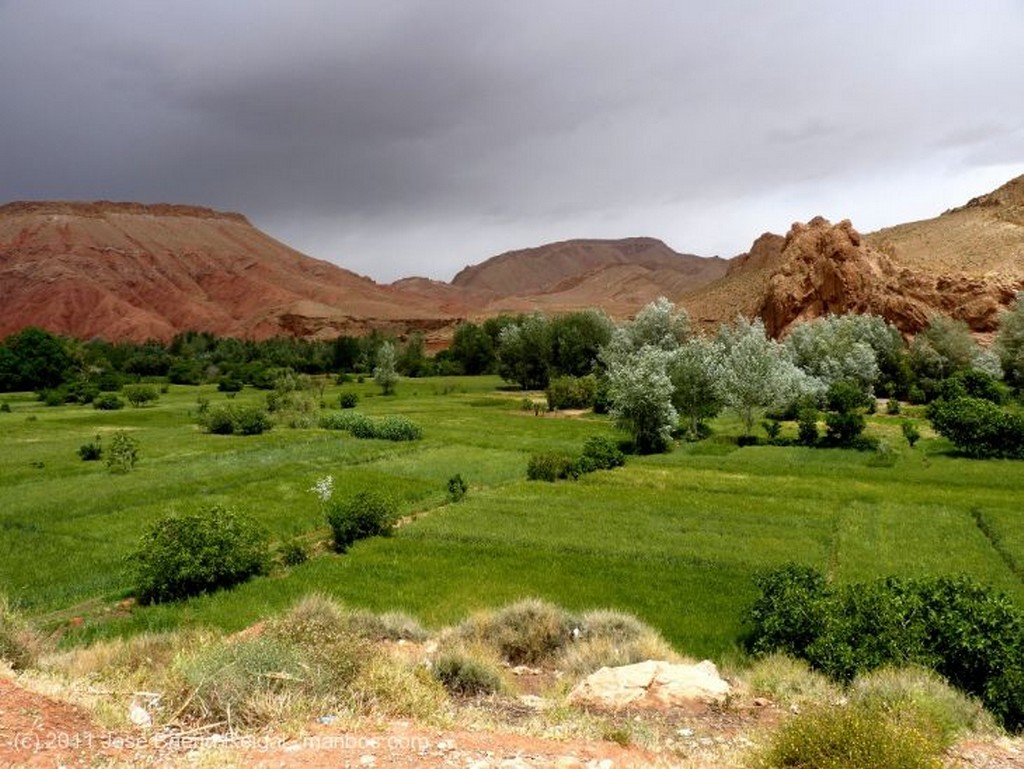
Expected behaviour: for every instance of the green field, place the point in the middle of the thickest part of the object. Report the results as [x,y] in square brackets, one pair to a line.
[673,538]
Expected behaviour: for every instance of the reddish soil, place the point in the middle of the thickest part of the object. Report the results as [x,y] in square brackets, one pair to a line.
[40,731]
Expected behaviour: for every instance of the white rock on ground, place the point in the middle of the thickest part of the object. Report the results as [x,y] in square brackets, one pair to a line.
[651,684]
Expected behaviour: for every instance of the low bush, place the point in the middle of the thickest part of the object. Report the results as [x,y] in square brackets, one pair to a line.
[227,384]
[601,453]
[397,428]
[182,556]
[791,681]
[123,453]
[234,419]
[107,402]
[910,432]
[570,392]
[551,466]
[468,673]
[529,632]
[606,638]
[849,737]
[233,682]
[348,400]
[92,451]
[457,488]
[367,514]
[921,696]
[140,394]
[292,552]
[389,428]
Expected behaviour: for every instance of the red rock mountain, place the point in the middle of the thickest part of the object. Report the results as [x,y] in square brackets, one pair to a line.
[132,271]
[967,263]
[619,276]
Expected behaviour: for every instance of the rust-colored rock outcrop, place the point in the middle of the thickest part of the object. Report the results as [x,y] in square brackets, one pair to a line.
[828,268]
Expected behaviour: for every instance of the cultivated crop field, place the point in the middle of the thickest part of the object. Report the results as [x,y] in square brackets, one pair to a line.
[673,538]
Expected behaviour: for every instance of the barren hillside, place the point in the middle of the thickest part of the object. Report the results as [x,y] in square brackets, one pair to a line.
[967,263]
[133,271]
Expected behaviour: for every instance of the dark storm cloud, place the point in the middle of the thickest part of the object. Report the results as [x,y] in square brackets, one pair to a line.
[412,137]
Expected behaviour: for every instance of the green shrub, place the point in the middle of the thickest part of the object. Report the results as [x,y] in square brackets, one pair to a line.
[849,737]
[457,488]
[966,632]
[978,427]
[367,514]
[227,384]
[107,402]
[5,408]
[602,453]
[123,453]
[791,681]
[570,392]
[910,432]
[551,466]
[772,428]
[389,428]
[140,394]
[251,420]
[467,674]
[807,425]
[348,400]
[345,421]
[92,451]
[182,556]
[892,407]
[397,428]
[52,398]
[234,419]
[293,552]
[843,421]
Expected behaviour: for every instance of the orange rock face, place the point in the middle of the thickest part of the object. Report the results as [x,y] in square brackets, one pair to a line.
[828,268]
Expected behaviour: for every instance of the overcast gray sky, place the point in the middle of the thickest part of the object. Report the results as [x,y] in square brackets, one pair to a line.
[412,138]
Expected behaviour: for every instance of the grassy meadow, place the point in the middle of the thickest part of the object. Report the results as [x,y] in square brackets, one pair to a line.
[674,539]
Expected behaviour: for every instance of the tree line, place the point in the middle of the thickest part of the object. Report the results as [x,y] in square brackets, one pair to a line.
[656,374]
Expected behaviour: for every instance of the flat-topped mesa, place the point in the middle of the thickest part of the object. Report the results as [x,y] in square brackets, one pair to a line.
[99,208]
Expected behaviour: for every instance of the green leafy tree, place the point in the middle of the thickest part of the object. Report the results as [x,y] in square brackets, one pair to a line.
[659,324]
[1010,343]
[34,359]
[843,347]
[385,373]
[756,373]
[576,341]
[640,392]
[524,352]
[473,349]
[694,370]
